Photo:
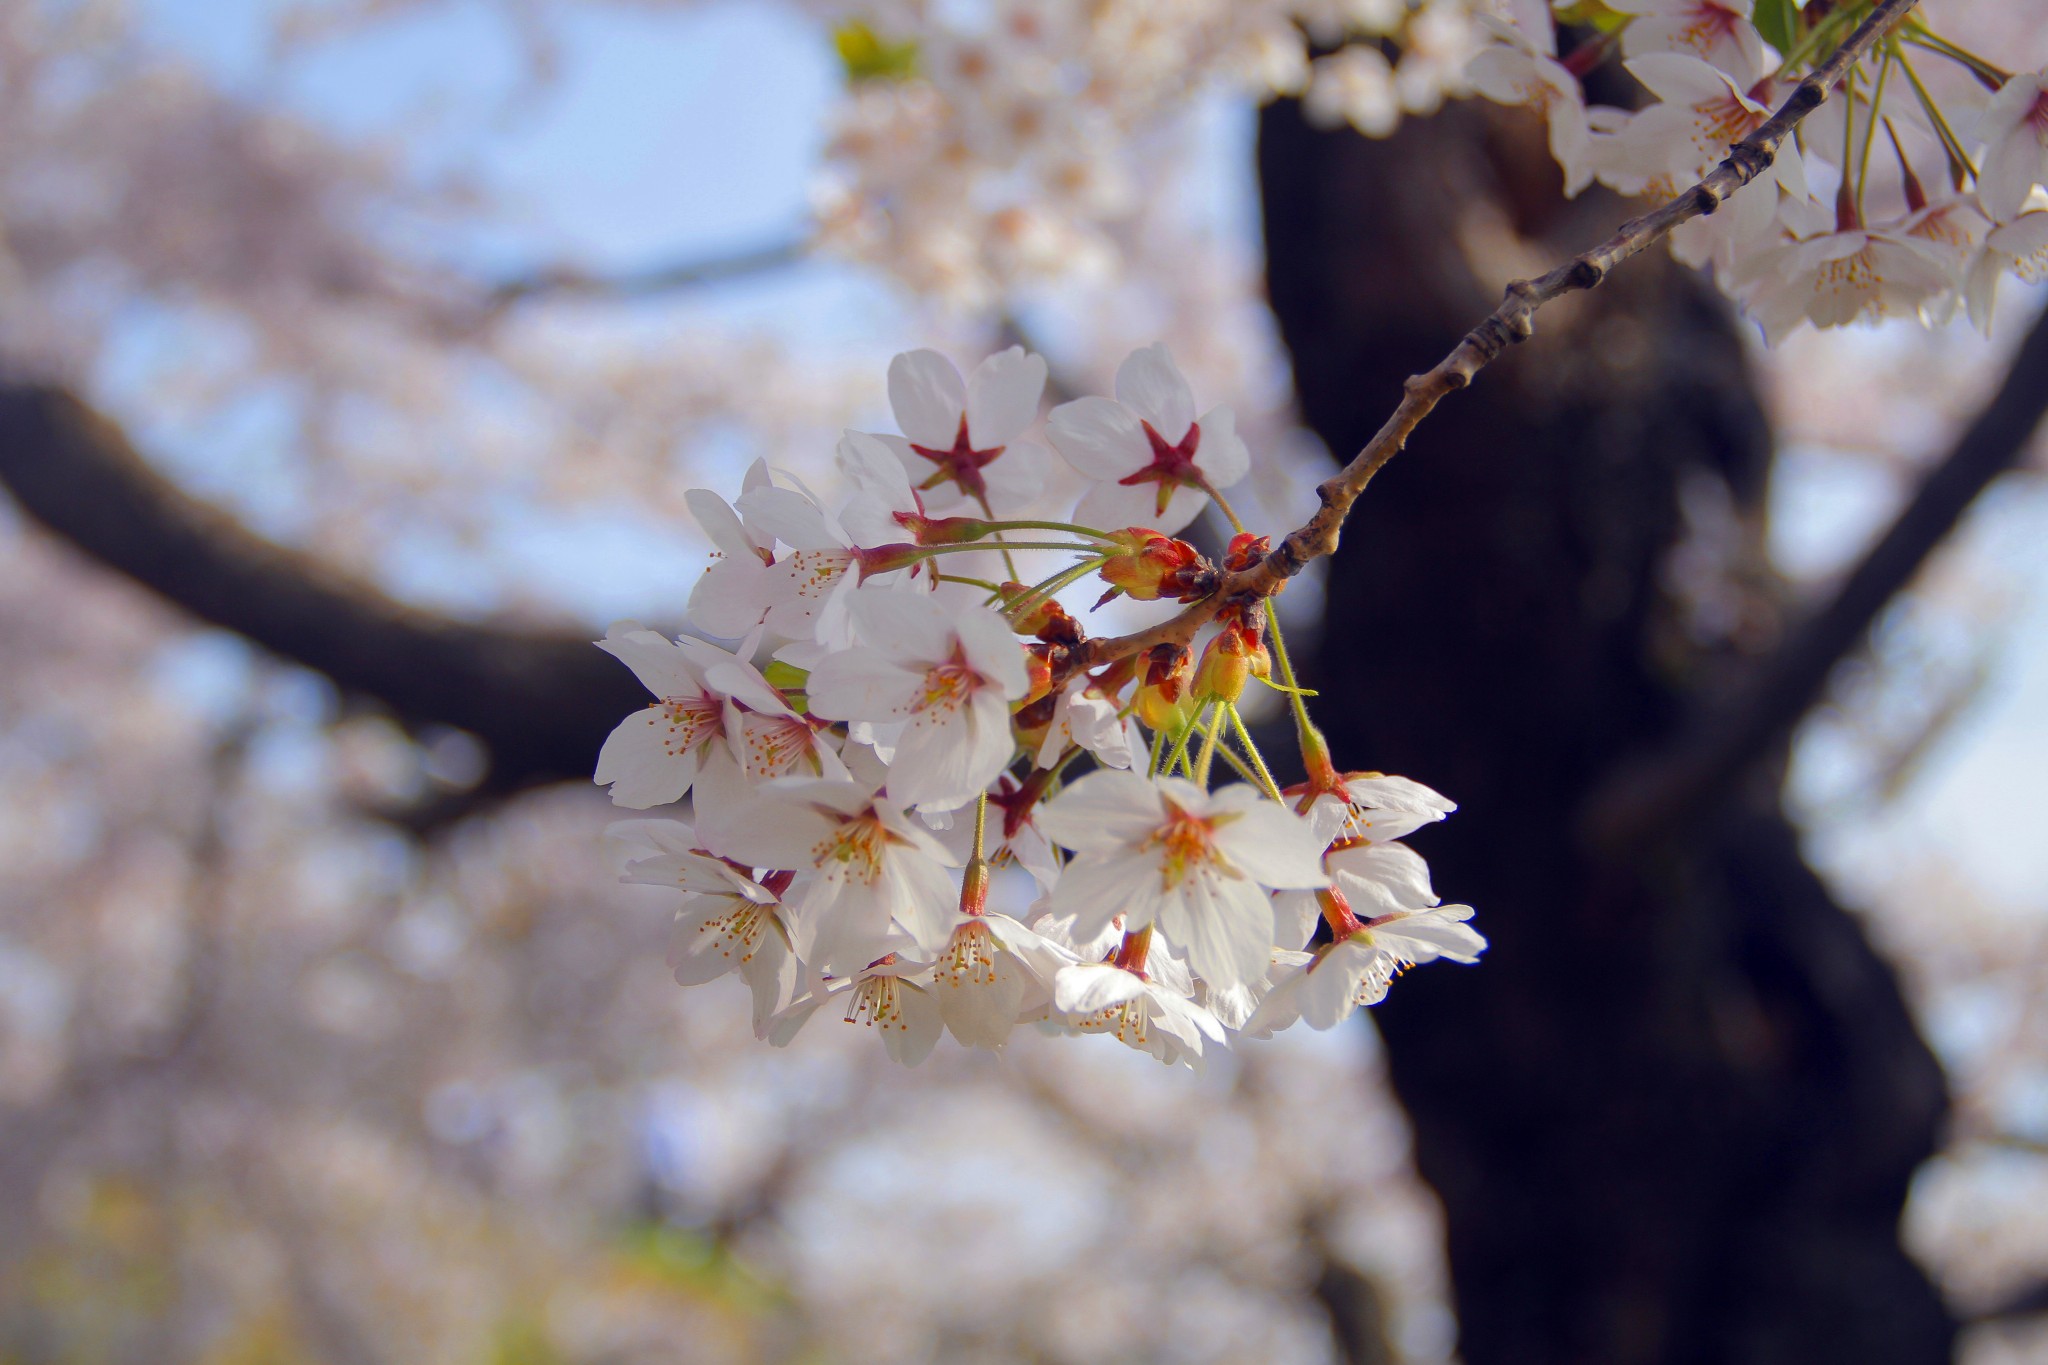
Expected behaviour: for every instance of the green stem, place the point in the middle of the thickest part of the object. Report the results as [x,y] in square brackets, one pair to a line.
[1919,35]
[1033,595]
[1180,745]
[1292,687]
[1950,143]
[1202,764]
[1251,751]
[1884,71]
[1069,527]
[924,550]
[1222,506]
[982,583]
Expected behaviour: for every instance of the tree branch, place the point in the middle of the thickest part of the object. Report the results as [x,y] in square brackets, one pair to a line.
[1721,744]
[1513,321]
[541,702]
[637,284]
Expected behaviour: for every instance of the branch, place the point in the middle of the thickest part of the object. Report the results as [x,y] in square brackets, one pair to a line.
[541,702]
[1720,745]
[638,284]
[1513,321]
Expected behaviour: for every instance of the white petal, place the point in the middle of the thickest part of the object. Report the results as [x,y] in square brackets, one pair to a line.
[791,518]
[719,522]
[1003,396]
[863,684]
[872,467]
[638,765]
[1089,988]
[1152,386]
[1380,879]
[1269,843]
[1103,811]
[1100,438]
[1226,927]
[1095,888]
[908,626]
[1113,506]
[1330,991]
[992,649]
[1430,934]
[1220,454]
[944,761]
[661,667]
[928,397]
[920,1030]
[784,838]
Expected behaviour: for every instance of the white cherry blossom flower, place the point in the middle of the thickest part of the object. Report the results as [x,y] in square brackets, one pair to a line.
[657,752]
[1716,31]
[945,677]
[736,592]
[893,996]
[1153,461]
[992,973]
[2015,134]
[1198,864]
[963,433]
[728,921]
[2019,247]
[1142,1013]
[868,867]
[1088,719]
[1850,275]
[1523,68]
[1377,807]
[1357,969]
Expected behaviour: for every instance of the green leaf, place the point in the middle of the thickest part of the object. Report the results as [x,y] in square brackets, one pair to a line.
[1778,22]
[867,56]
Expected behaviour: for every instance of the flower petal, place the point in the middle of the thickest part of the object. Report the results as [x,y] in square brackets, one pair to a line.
[929,399]
[1002,397]
[1101,438]
[1152,386]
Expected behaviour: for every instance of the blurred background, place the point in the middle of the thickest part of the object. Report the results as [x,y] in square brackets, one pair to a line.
[354,358]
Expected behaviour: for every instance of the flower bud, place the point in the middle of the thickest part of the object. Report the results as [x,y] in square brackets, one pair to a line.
[1246,550]
[1162,701]
[1037,673]
[1225,668]
[1153,566]
[1042,617]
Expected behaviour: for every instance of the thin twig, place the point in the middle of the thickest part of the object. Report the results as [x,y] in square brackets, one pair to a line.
[1512,321]
[566,281]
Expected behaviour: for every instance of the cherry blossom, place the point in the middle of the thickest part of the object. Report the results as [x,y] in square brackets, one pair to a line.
[1197,863]
[868,867]
[1153,461]
[944,678]
[892,736]
[1523,69]
[728,921]
[1716,31]
[2015,132]
[1101,997]
[963,433]
[656,753]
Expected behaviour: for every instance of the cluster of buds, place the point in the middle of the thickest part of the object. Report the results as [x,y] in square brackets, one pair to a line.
[924,797]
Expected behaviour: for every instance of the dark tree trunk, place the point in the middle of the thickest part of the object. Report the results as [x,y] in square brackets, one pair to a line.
[1673,1115]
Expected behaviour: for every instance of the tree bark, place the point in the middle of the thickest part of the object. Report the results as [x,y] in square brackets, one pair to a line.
[1673,1116]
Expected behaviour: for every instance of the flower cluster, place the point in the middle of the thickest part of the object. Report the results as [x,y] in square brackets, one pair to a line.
[926,798]
[1905,194]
